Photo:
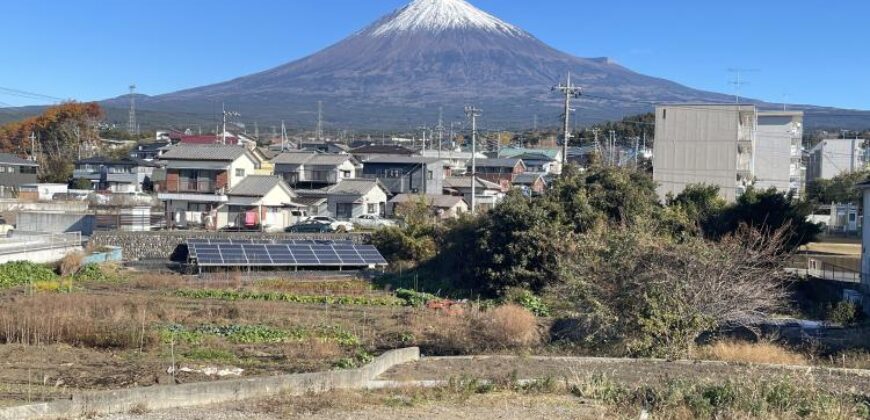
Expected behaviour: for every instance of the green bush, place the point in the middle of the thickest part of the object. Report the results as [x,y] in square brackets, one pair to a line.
[528,300]
[843,313]
[23,272]
[413,298]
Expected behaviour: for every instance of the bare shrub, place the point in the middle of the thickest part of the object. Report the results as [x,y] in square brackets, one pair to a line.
[657,295]
[508,326]
[71,263]
[743,352]
[78,320]
[312,349]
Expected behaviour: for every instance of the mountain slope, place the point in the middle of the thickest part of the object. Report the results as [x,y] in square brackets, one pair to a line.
[430,54]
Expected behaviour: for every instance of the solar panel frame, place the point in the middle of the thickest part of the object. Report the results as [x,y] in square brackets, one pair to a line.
[281,253]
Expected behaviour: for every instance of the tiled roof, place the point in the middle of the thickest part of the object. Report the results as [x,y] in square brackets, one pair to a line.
[311,158]
[100,160]
[497,163]
[441,201]
[465,182]
[10,159]
[355,187]
[206,139]
[385,149]
[205,152]
[403,159]
[527,178]
[257,186]
[512,152]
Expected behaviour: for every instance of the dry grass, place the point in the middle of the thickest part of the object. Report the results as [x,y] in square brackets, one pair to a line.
[742,352]
[312,348]
[78,320]
[148,281]
[506,327]
[71,263]
[510,326]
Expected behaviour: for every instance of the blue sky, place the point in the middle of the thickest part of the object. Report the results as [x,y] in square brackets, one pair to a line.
[806,51]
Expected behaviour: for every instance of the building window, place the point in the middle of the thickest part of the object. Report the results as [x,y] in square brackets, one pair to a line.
[345,174]
[240,172]
[373,208]
[430,175]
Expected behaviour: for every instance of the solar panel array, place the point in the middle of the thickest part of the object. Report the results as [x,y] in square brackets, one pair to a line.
[281,253]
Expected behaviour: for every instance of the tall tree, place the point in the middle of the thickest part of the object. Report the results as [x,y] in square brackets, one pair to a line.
[61,132]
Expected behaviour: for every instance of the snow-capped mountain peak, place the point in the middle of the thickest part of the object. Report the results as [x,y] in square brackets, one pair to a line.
[441,15]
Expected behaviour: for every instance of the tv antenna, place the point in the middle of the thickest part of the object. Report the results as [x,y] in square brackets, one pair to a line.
[738,82]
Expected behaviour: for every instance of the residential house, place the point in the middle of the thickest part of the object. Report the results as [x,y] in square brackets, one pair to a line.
[488,193]
[455,162]
[357,197]
[124,175]
[323,147]
[263,201]
[15,172]
[149,151]
[548,160]
[832,157]
[314,170]
[500,171]
[364,153]
[729,146]
[198,179]
[441,206]
[406,174]
[532,183]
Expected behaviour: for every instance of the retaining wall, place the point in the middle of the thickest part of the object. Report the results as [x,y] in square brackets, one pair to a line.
[205,393]
[55,222]
[162,245]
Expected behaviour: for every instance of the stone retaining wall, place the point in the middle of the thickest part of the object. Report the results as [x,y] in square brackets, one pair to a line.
[204,393]
[163,244]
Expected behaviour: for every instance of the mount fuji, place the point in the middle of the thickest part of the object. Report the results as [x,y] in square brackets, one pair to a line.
[399,70]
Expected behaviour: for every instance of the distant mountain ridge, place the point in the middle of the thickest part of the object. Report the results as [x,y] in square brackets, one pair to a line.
[398,71]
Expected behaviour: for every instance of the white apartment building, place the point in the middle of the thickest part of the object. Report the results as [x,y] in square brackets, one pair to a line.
[833,157]
[731,146]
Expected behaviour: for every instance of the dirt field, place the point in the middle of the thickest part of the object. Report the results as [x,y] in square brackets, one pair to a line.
[120,334]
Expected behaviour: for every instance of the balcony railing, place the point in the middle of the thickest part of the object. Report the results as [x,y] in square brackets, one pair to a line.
[185,186]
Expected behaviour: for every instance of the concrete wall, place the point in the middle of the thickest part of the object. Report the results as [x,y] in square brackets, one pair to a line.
[778,151]
[55,222]
[833,157]
[9,206]
[205,393]
[696,146]
[162,245]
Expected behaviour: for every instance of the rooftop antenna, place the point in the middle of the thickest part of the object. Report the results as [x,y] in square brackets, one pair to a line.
[225,115]
[132,127]
[571,91]
[738,82]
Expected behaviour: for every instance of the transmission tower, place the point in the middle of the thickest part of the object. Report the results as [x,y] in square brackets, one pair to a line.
[571,91]
[132,127]
[472,113]
[225,115]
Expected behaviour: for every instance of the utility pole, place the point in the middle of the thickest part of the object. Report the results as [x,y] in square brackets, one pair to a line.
[132,127]
[440,129]
[570,91]
[256,131]
[473,113]
[33,146]
[283,137]
[535,124]
[636,151]
[319,131]
[612,148]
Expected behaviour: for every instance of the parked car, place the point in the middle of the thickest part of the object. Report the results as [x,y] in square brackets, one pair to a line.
[337,226]
[310,227]
[372,221]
